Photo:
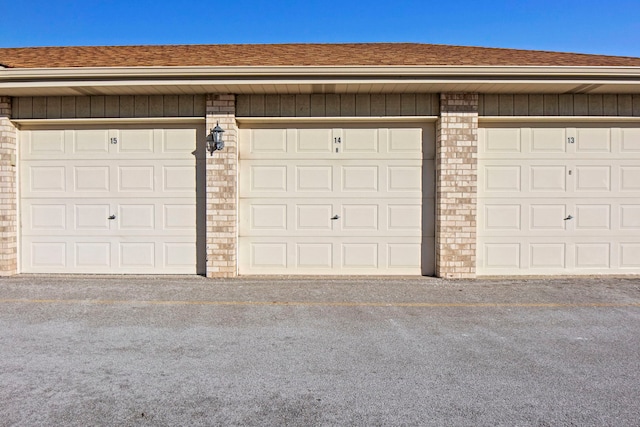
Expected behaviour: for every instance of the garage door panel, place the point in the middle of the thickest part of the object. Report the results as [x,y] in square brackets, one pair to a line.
[43,144]
[314,256]
[314,178]
[153,217]
[630,255]
[365,142]
[47,179]
[88,142]
[506,141]
[93,255]
[178,178]
[91,208]
[545,141]
[340,256]
[137,178]
[630,217]
[179,256]
[404,178]
[505,217]
[362,255]
[47,254]
[593,217]
[136,255]
[630,144]
[46,217]
[92,179]
[498,178]
[260,142]
[403,255]
[546,218]
[268,217]
[501,255]
[361,179]
[136,217]
[593,141]
[178,143]
[360,217]
[547,178]
[537,217]
[267,178]
[630,178]
[593,178]
[593,255]
[405,141]
[320,217]
[579,142]
[403,217]
[337,200]
[314,217]
[136,141]
[91,217]
[552,178]
[573,212]
[547,256]
[314,141]
[361,141]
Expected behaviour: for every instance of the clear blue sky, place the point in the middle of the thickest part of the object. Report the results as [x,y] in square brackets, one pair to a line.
[605,27]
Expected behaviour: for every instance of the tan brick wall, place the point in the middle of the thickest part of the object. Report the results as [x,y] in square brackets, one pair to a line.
[456,185]
[8,192]
[222,190]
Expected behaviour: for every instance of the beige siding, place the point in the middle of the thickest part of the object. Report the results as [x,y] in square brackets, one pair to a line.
[559,105]
[338,105]
[67,107]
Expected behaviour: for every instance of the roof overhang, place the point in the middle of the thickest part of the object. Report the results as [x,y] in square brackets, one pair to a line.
[307,79]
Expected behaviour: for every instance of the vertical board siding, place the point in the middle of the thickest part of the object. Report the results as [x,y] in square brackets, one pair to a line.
[125,106]
[338,105]
[321,105]
[612,105]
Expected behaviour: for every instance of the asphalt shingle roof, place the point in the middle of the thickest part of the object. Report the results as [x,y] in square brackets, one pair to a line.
[355,54]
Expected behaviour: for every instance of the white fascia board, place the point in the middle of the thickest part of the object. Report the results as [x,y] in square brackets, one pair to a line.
[276,82]
[125,73]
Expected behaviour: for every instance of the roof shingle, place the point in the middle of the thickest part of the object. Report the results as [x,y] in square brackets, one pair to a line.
[354,54]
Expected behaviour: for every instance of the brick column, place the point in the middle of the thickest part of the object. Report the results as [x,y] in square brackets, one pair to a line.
[8,191]
[456,185]
[222,190]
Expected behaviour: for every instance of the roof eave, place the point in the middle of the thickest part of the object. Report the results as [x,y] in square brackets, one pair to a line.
[310,79]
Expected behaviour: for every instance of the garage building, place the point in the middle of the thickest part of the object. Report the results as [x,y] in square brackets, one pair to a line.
[338,159]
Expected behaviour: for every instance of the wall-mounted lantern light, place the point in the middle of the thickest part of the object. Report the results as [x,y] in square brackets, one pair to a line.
[214,139]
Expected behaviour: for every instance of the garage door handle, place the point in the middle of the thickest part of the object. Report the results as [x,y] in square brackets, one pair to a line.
[112,217]
[335,217]
[569,217]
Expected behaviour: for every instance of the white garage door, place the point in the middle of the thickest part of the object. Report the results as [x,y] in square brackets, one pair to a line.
[108,200]
[559,200]
[337,200]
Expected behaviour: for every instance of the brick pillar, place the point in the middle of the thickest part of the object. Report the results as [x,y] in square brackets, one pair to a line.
[456,185]
[222,190]
[8,191]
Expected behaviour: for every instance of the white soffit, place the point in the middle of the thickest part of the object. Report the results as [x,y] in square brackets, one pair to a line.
[293,80]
